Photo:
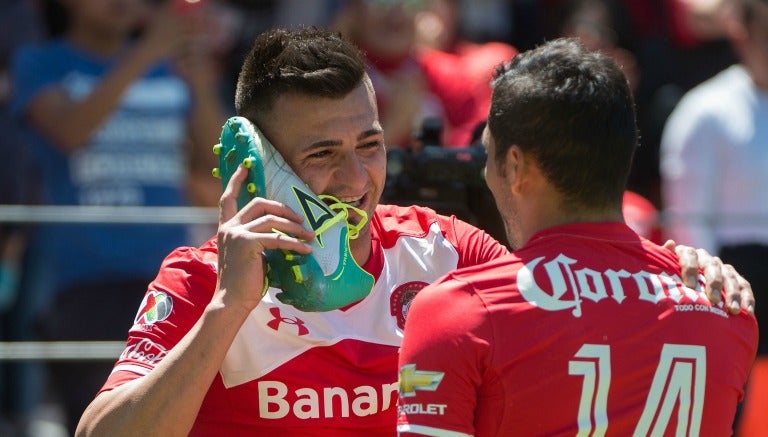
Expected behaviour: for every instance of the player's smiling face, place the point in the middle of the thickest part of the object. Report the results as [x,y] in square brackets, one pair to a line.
[336,146]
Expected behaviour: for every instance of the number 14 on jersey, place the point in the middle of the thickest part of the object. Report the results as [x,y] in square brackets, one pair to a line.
[679,381]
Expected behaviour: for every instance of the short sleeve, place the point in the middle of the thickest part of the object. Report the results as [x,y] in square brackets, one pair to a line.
[474,245]
[172,305]
[443,358]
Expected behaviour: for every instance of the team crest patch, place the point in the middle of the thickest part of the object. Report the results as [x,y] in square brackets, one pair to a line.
[401,298]
[155,307]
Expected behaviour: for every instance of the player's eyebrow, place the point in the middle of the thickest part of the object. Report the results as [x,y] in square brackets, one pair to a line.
[335,143]
[370,133]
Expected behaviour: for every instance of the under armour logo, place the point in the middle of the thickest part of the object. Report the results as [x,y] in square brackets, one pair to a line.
[278,319]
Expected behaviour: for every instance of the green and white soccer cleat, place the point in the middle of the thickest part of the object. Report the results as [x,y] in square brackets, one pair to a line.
[326,279]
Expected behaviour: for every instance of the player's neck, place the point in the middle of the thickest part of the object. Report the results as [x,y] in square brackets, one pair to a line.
[556,214]
[361,247]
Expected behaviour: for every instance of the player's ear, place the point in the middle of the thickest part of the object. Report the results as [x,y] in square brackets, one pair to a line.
[512,167]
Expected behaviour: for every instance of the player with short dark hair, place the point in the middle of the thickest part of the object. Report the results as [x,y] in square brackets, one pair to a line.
[586,329]
[304,62]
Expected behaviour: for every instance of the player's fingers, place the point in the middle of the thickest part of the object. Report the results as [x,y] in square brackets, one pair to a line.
[259,207]
[689,264]
[738,291]
[228,200]
[279,240]
[712,267]
[669,245]
[732,289]
[269,224]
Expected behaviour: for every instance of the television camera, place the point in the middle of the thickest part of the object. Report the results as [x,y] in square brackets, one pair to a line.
[450,180]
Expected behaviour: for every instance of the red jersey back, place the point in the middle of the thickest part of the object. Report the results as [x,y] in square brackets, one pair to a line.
[587,330]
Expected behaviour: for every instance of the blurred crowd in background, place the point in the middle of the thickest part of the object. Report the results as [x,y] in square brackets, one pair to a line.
[430,60]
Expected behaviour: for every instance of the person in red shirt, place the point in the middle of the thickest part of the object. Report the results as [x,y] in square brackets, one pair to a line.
[414,83]
[443,51]
[587,328]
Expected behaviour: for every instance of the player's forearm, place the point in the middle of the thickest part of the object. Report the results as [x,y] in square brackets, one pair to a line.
[166,401]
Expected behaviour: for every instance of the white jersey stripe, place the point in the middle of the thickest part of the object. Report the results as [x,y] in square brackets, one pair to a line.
[428,430]
[141,370]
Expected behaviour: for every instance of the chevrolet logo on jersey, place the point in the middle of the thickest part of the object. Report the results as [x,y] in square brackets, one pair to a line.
[412,380]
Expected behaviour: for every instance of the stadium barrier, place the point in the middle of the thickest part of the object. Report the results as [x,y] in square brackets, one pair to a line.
[41,214]
[110,350]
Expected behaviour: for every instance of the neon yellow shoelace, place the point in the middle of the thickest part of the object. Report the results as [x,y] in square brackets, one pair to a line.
[342,213]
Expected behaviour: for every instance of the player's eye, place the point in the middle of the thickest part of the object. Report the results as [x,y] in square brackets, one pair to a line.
[320,154]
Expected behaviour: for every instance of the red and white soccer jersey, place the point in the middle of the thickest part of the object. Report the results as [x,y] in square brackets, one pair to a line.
[586,330]
[291,372]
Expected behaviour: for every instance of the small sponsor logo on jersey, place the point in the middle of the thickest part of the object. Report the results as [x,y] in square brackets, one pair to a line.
[277,400]
[155,307]
[278,320]
[401,298]
[427,409]
[145,351]
[556,285]
[700,307]
[412,380]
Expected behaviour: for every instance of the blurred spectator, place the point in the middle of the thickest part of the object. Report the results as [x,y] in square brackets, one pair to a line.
[721,128]
[593,22]
[22,26]
[665,46]
[238,22]
[115,121]
[601,25]
[452,62]
[678,45]
[676,50]
[696,21]
[19,391]
[410,87]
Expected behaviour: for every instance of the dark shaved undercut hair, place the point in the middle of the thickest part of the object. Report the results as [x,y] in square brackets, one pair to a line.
[573,112]
[307,60]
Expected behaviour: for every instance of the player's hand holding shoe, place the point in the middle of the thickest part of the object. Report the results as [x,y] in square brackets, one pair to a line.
[326,279]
